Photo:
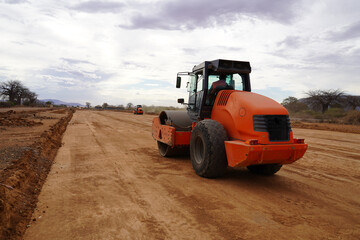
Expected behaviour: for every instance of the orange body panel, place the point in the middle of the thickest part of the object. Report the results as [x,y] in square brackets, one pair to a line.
[168,135]
[240,154]
[235,111]
[182,138]
[163,133]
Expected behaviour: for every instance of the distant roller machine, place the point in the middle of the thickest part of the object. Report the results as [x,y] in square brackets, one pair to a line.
[226,124]
[138,110]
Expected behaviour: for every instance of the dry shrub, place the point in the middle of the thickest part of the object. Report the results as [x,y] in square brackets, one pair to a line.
[352,117]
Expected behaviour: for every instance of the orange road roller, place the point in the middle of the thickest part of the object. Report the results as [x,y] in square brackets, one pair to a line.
[226,124]
[138,110]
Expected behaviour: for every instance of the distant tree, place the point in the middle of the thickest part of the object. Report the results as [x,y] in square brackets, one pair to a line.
[31,97]
[21,93]
[323,99]
[292,104]
[352,101]
[129,106]
[121,107]
[17,93]
[48,103]
[39,103]
[11,89]
[88,105]
[25,96]
[289,100]
[105,105]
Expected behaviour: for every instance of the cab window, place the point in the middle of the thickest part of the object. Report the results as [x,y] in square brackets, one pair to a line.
[214,78]
[235,80]
[199,82]
[196,83]
[192,86]
[238,81]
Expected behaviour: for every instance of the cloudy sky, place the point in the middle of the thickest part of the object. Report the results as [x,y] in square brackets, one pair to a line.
[130,51]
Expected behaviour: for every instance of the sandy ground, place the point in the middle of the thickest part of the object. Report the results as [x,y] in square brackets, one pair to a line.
[21,127]
[109,182]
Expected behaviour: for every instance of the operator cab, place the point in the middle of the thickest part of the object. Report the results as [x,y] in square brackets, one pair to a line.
[208,79]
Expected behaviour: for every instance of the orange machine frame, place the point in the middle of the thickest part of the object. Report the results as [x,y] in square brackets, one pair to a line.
[242,154]
[168,135]
[245,145]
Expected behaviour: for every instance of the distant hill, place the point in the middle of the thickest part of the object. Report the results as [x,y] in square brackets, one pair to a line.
[59,102]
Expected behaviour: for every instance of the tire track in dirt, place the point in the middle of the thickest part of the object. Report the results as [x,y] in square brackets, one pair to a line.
[110,182]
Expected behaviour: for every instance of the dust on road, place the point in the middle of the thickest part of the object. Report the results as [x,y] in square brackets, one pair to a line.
[109,182]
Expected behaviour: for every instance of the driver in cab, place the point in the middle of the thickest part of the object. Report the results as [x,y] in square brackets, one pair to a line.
[218,85]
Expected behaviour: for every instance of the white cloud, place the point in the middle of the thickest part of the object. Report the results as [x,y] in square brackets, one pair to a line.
[118,52]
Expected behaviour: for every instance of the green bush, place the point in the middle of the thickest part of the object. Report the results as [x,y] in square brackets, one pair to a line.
[7,104]
[334,113]
[293,105]
[304,114]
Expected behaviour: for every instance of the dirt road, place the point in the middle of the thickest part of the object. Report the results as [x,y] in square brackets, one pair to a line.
[109,182]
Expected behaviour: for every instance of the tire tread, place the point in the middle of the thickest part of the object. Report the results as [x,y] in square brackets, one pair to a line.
[214,136]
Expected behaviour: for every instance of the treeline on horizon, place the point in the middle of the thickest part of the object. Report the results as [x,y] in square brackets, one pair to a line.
[14,93]
[321,105]
[332,106]
[130,106]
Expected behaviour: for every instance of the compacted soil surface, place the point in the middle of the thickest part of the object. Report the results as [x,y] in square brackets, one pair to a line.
[108,181]
[29,139]
[347,128]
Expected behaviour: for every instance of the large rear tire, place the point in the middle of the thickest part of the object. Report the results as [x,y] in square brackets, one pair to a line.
[265,169]
[207,149]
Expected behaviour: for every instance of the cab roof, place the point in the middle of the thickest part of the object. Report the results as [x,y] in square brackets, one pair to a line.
[225,66]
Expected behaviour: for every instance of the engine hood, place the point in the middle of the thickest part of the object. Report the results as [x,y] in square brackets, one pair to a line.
[235,111]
